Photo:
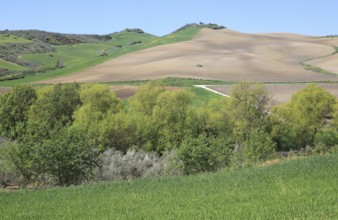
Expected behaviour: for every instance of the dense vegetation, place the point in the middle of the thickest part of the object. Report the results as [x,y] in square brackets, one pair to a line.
[62,134]
[295,189]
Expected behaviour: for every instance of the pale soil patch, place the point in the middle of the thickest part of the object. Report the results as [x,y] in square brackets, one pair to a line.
[282,93]
[218,55]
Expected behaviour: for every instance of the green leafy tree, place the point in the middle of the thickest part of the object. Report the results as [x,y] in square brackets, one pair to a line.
[53,108]
[212,119]
[14,107]
[145,98]
[98,104]
[68,156]
[169,119]
[309,109]
[249,107]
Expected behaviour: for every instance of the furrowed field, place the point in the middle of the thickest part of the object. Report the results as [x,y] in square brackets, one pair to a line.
[297,189]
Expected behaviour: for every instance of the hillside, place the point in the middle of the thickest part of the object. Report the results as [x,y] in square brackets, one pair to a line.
[29,56]
[298,189]
[223,55]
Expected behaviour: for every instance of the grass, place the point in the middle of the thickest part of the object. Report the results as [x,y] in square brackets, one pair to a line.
[11,66]
[298,189]
[81,56]
[202,96]
[8,39]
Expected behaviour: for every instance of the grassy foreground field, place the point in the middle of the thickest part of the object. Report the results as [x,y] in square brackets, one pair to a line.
[298,189]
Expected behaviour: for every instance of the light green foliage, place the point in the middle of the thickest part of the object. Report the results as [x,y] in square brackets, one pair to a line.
[203,154]
[170,118]
[212,118]
[14,107]
[11,39]
[305,115]
[97,104]
[20,158]
[296,189]
[54,107]
[335,115]
[248,108]
[119,131]
[145,98]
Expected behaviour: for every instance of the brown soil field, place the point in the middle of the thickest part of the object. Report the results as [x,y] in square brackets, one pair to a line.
[281,93]
[220,55]
[124,92]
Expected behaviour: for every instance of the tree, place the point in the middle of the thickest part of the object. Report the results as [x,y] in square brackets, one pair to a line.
[212,120]
[145,98]
[98,104]
[68,156]
[14,109]
[249,107]
[169,119]
[53,108]
[309,109]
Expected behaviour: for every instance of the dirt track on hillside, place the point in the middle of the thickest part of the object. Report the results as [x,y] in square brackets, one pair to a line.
[222,55]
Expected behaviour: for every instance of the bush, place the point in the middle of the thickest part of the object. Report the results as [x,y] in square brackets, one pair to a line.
[133,164]
[204,154]
[257,148]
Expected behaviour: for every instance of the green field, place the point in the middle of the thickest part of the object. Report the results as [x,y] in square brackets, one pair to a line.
[8,39]
[296,189]
[81,56]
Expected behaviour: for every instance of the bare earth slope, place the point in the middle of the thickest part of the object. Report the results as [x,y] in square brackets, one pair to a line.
[222,55]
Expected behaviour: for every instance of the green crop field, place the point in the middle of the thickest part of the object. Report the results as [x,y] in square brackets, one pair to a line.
[81,56]
[294,189]
[7,39]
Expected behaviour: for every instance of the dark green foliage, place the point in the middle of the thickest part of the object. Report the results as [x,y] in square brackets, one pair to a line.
[204,154]
[258,147]
[68,156]
[200,25]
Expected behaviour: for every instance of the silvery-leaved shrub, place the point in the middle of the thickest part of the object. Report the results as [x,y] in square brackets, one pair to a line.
[133,164]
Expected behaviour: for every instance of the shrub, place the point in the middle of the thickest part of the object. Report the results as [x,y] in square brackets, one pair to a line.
[257,148]
[133,164]
[203,154]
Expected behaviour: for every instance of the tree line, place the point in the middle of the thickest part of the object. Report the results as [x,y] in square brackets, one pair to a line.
[58,133]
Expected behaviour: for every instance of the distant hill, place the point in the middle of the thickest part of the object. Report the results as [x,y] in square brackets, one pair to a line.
[33,52]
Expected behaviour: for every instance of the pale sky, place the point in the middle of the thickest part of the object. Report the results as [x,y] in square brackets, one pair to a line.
[310,17]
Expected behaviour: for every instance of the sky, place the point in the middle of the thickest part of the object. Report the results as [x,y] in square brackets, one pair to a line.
[309,17]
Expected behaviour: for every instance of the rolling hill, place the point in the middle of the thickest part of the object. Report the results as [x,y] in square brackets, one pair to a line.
[224,55]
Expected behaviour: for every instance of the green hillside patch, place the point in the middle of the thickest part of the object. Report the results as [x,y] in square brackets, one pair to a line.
[299,189]
[9,39]
[11,66]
